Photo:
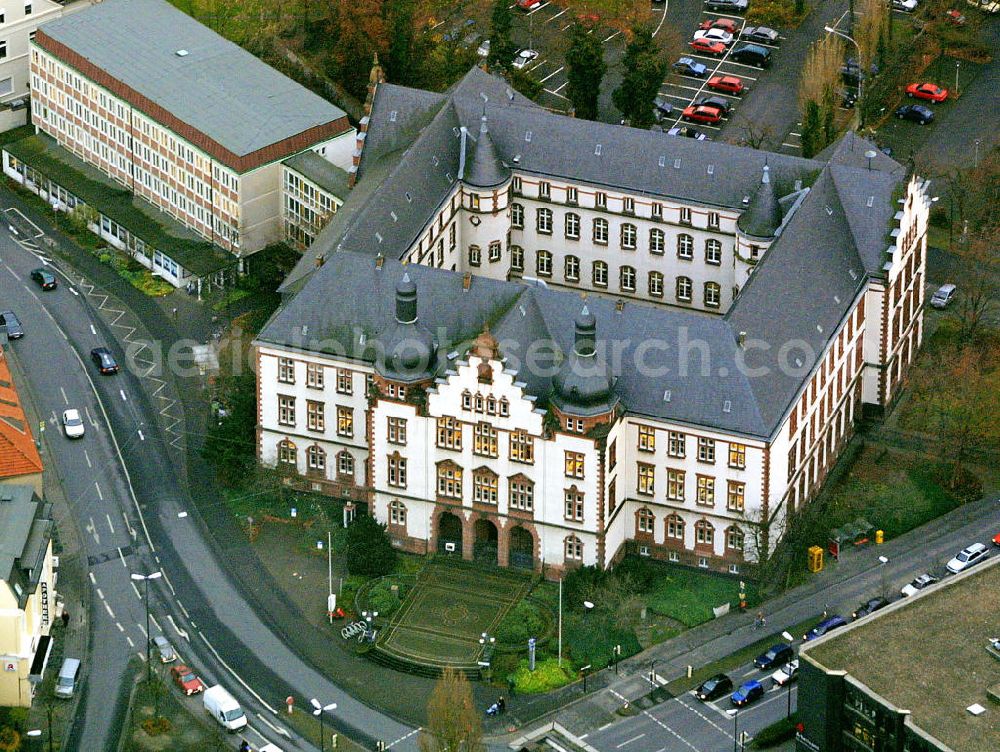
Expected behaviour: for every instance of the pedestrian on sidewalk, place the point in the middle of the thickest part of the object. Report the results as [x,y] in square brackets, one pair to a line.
[65,618]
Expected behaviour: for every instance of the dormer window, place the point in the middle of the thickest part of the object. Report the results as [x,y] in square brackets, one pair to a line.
[491,403]
[544,190]
[504,407]
[571,197]
[473,202]
[479,403]
[628,205]
[601,200]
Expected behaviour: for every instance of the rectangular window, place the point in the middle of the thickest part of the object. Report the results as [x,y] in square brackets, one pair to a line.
[27,9]
[286,370]
[485,440]
[706,490]
[706,449]
[315,416]
[449,433]
[397,471]
[484,488]
[345,421]
[685,218]
[737,455]
[544,190]
[713,220]
[675,485]
[522,494]
[449,481]
[574,465]
[543,223]
[601,200]
[345,381]
[314,375]
[734,499]
[396,430]
[574,505]
[676,444]
[657,210]
[613,455]
[628,205]
[571,197]
[647,439]
[286,410]
[522,447]
[647,479]
[515,184]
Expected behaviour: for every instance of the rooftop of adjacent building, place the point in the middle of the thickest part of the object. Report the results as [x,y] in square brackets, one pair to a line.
[25,532]
[320,171]
[18,453]
[927,654]
[205,81]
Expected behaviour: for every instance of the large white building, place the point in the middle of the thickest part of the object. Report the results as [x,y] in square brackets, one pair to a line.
[543,341]
[184,122]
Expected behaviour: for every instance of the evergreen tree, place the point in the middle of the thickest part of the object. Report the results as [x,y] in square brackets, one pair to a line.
[644,69]
[399,58]
[585,69]
[501,47]
[368,548]
[812,130]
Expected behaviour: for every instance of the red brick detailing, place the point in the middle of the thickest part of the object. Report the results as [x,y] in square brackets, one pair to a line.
[271,153]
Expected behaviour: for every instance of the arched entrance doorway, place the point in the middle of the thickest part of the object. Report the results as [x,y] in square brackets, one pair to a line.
[486,542]
[522,548]
[449,534]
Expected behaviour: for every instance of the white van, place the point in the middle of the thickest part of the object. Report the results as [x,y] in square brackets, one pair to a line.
[68,674]
[223,708]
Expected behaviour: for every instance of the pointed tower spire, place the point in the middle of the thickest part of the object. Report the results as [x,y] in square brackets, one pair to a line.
[486,170]
[763,217]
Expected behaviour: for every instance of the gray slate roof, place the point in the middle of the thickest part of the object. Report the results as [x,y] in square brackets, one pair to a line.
[763,216]
[321,171]
[218,88]
[20,534]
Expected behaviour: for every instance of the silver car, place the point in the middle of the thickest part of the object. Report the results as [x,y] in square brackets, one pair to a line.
[165,649]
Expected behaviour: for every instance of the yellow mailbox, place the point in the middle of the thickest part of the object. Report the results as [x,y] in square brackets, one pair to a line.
[879,537]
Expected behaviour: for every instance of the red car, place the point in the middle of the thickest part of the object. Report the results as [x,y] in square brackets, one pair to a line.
[719,23]
[703,114]
[996,539]
[954,17]
[528,4]
[931,92]
[706,47]
[728,84]
[187,681]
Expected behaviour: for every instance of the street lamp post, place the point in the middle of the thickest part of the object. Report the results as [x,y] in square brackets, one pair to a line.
[735,713]
[318,710]
[958,64]
[652,674]
[145,578]
[861,72]
[788,636]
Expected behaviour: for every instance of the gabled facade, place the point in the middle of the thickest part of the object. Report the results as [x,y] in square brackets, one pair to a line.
[688,435]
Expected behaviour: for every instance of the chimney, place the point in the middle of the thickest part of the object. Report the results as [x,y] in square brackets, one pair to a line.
[467,281]
[379,260]
[320,259]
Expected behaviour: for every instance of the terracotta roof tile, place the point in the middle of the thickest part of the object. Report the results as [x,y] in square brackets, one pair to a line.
[18,454]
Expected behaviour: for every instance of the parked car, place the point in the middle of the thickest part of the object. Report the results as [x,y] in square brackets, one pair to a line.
[702,114]
[968,557]
[69,673]
[104,360]
[943,296]
[852,74]
[748,692]
[687,131]
[164,649]
[715,34]
[717,686]
[729,6]
[728,84]
[776,655]
[848,98]
[688,67]
[662,108]
[707,47]
[713,101]
[751,54]
[759,34]
[727,24]
[9,320]
[484,48]
[870,606]
[907,6]
[827,625]
[187,680]
[919,583]
[928,91]
[528,4]
[786,674]
[524,57]
[72,423]
[44,278]
[996,539]
[916,113]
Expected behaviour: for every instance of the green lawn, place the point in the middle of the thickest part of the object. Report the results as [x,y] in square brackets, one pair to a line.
[186,732]
[689,596]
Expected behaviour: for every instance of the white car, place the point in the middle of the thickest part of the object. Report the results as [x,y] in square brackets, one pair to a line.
[918,584]
[484,49]
[967,557]
[907,6]
[715,35]
[72,423]
[787,673]
[524,57]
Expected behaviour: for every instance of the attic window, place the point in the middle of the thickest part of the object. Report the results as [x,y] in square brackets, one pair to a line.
[663,161]
[666,395]
[597,150]
[527,137]
[871,202]
[727,406]
[378,237]
[392,116]
[677,164]
[182,53]
[711,169]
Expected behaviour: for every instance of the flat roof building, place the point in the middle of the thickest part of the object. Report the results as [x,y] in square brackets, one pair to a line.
[907,679]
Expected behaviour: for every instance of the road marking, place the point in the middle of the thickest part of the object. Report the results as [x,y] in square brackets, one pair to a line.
[87,457]
[90,417]
[704,717]
[63,392]
[143,630]
[100,594]
[556,72]
[177,629]
[553,18]
[12,273]
[662,18]
[122,393]
[74,291]
[100,495]
[583,736]
[93,330]
[608,39]
[120,627]
[235,675]
[606,725]
[137,593]
[406,736]
[182,515]
[92,529]
[122,557]
[184,610]
[141,437]
[110,525]
[91,576]
[110,612]
[166,579]
[129,641]
[629,741]
[750,672]
[141,655]
[153,619]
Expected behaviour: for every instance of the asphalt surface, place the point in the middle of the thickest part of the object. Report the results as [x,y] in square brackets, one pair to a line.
[132,512]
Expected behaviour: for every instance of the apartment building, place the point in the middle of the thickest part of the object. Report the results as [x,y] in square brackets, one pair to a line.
[27,593]
[487,403]
[188,123]
[20,462]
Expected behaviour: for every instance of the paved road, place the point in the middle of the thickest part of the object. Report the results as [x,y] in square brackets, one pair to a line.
[195,603]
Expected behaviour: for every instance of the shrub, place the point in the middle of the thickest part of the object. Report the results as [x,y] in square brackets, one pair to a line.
[156,726]
[10,739]
[775,13]
[778,732]
[579,585]
[369,550]
[548,675]
[639,571]
[382,599]
[521,622]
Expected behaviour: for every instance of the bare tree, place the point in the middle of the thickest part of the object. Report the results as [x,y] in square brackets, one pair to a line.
[978,300]
[760,531]
[869,30]
[453,724]
[821,71]
[754,135]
